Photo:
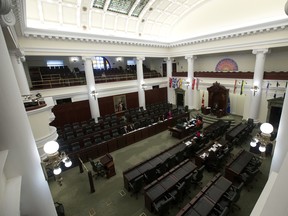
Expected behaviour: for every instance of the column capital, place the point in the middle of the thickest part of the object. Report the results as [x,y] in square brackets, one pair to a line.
[140,58]
[192,57]
[258,51]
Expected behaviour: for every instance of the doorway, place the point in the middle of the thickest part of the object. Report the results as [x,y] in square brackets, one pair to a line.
[180,95]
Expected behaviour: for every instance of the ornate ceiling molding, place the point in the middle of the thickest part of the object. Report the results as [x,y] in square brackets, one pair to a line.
[18,8]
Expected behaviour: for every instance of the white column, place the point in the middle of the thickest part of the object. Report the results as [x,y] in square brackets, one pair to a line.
[255,101]
[90,80]
[281,147]
[16,136]
[170,91]
[140,81]
[20,74]
[190,75]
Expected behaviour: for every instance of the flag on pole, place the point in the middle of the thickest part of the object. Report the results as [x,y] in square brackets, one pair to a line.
[267,88]
[235,86]
[242,87]
[179,83]
[228,105]
[193,83]
[285,89]
[277,85]
[203,100]
[197,83]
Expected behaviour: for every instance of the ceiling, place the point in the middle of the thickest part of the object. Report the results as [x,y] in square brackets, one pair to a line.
[152,20]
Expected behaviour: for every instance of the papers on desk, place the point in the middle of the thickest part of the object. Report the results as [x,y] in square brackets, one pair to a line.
[204,155]
[188,143]
[212,149]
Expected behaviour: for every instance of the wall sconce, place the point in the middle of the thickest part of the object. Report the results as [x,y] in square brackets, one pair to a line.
[94,94]
[263,138]
[119,59]
[254,89]
[144,86]
[54,159]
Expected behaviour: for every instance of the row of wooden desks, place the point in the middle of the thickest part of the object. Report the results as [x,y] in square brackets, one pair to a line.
[134,172]
[114,144]
[203,203]
[237,165]
[184,130]
[159,188]
[236,131]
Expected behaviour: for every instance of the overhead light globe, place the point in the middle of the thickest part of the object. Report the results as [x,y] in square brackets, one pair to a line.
[266,128]
[253,142]
[51,147]
[68,163]
[57,170]
[262,148]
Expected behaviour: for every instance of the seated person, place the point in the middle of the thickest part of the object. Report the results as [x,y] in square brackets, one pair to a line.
[169,115]
[198,123]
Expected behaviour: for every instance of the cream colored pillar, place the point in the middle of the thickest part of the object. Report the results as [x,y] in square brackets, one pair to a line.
[91,88]
[255,101]
[140,81]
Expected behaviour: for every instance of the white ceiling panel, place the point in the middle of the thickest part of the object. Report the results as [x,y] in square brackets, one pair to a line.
[31,12]
[162,18]
[50,12]
[121,23]
[109,21]
[96,19]
[69,15]
[132,25]
[70,1]
[163,5]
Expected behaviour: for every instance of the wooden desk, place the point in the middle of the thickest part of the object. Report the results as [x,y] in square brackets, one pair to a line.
[168,181]
[234,132]
[207,198]
[185,130]
[107,162]
[237,165]
[137,170]
[216,129]
[202,155]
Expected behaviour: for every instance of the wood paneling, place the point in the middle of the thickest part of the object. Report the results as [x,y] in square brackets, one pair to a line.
[156,95]
[71,112]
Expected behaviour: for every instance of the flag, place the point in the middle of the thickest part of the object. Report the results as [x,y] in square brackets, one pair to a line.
[275,94]
[170,82]
[285,89]
[267,88]
[235,86]
[242,87]
[203,100]
[193,83]
[228,105]
[179,83]
[174,82]
[197,83]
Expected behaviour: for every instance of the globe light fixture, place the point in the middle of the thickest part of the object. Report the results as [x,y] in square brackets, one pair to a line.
[54,159]
[263,138]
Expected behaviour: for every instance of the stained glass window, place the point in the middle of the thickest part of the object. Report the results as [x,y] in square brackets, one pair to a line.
[139,7]
[101,63]
[99,4]
[121,6]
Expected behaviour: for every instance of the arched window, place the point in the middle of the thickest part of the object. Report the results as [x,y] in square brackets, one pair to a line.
[101,63]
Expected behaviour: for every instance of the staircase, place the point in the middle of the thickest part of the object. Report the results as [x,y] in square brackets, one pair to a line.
[209,119]
[10,190]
